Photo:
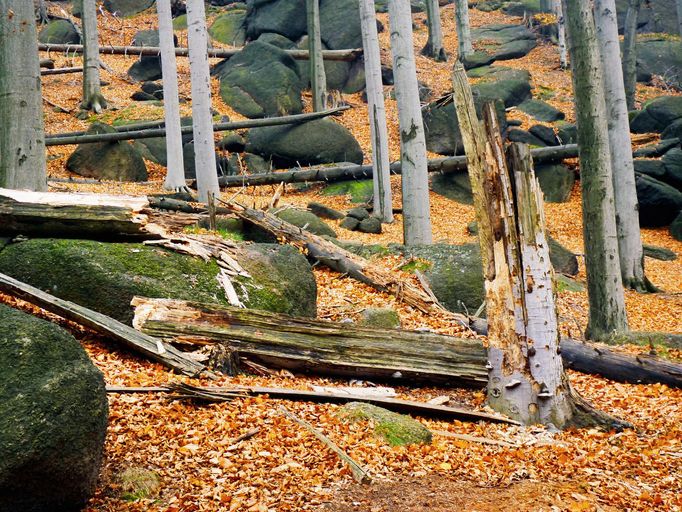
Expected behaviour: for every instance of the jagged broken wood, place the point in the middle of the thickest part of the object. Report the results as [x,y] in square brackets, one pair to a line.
[215,53]
[407,357]
[149,347]
[331,173]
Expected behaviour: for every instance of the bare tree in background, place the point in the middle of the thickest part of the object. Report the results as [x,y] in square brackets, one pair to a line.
[92,92]
[318,78]
[464,45]
[630,52]
[434,44]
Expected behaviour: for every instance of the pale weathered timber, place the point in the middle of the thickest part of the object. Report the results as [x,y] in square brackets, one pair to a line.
[415,182]
[22,136]
[381,171]
[60,71]
[630,248]
[434,44]
[90,216]
[149,347]
[92,91]
[214,53]
[328,348]
[175,173]
[318,78]
[152,129]
[630,52]
[607,313]
[464,45]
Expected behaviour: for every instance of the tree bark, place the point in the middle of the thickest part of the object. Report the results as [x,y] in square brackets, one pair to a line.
[175,174]
[462,25]
[381,172]
[329,348]
[318,79]
[204,145]
[630,248]
[604,284]
[434,44]
[22,138]
[546,5]
[415,182]
[678,3]
[630,52]
[92,93]
[561,30]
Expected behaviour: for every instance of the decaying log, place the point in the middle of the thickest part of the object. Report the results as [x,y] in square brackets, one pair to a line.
[143,344]
[91,216]
[155,129]
[60,71]
[327,396]
[341,260]
[404,357]
[214,53]
[331,173]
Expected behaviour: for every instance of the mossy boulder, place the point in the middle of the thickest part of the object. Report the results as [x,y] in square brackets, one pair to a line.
[285,17]
[119,161]
[261,80]
[659,203]
[541,111]
[340,24]
[229,27]
[127,8]
[556,182]
[53,416]
[455,186]
[504,42]
[657,114]
[147,67]
[105,277]
[676,227]
[380,318]
[59,31]
[662,57]
[396,429]
[305,220]
[360,191]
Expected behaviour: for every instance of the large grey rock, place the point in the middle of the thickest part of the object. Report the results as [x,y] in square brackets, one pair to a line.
[662,57]
[340,24]
[315,142]
[127,8]
[658,202]
[147,67]
[504,42]
[305,220]
[59,32]
[541,111]
[672,161]
[676,227]
[455,186]
[556,182]
[658,16]
[285,17]
[230,26]
[261,80]
[282,280]
[53,417]
[118,161]
[657,114]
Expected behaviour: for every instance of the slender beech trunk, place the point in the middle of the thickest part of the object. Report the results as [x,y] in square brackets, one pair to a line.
[175,174]
[415,181]
[604,284]
[318,79]
[464,45]
[92,93]
[630,52]
[561,30]
[679,17]
[627,217]
[546,5]
[381,166]
[22,136]
[434,44]
[204,152]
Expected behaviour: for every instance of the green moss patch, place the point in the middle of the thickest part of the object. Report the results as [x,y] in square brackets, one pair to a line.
[396,429]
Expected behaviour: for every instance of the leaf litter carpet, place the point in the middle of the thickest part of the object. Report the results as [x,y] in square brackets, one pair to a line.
[192,448]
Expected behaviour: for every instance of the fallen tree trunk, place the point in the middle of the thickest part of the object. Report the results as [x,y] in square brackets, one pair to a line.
[404,357]
[361,172]
[60,71]
[329,396]
[157,128]
[90,216]
[215,53]
[143,344]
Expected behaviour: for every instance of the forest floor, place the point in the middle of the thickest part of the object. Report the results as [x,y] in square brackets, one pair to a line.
[283,467]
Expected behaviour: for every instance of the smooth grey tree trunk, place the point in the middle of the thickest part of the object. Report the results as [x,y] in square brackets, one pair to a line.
[204,145]
[175,173]
[604,284]
[630,52]
[415,181]
[434,44]
[22,136]
[464,45]
[381,166]
[318,79]
[620,145]
[92,93]
[679,17]
[561,30]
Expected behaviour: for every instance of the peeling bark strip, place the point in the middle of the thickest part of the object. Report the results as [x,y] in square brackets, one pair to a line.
[22,135]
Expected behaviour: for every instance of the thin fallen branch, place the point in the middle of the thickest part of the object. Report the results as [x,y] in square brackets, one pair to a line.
[359,473]
[60,71]
[474,439]
[149,347]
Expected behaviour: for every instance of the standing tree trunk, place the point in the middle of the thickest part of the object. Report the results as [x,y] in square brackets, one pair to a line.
[415,181]
[92,94]
[546,5]
[434,44]
[627,218]
[679,17]
[204,145]
[604,284]
[464,45]
[381,166]
[175,173]
[318,79]
[22,137]
[561,30]
[630,52]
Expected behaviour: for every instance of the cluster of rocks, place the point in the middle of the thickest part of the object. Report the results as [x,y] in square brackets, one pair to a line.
[355,219]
